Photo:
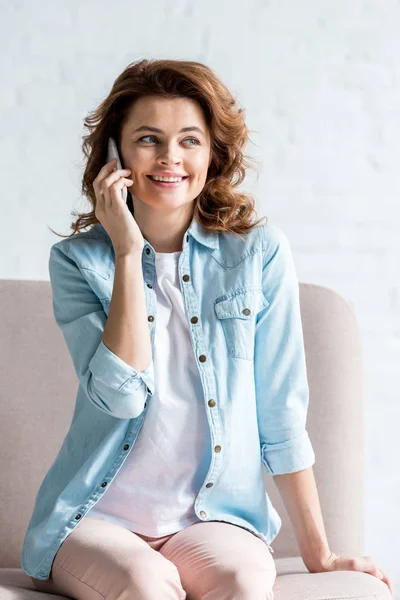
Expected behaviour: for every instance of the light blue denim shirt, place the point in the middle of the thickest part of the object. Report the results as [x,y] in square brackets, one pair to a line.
[241,299]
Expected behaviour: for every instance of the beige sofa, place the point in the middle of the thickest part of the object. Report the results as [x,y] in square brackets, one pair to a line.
[37,395]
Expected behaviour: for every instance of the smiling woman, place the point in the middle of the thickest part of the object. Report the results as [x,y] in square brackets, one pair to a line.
[193,129]
[175,307]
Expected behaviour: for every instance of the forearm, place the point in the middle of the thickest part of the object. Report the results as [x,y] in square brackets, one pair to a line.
[126,332]
[300,496]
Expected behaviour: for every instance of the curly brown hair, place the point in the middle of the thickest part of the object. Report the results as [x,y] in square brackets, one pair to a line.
[219,207]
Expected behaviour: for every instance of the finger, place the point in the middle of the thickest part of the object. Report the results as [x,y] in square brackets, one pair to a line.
[109,183]
[377,572]
[105,170]
[386,580]
[113,179]
[117,187]
[108,169]
[115,175]
[372,567]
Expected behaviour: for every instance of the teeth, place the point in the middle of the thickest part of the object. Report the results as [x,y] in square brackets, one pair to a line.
[166,178]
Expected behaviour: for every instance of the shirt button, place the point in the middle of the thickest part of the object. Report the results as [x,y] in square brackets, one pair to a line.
[150,318]
[209,484]
[203,513]
[149,286]
[194,320]
[217,448]
[104,484]
[78,516]
[202,358]
[246,311]
[126,446]
[211,403]
[186,278]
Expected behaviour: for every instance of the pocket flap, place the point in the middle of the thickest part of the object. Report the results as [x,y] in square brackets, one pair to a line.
[243,304]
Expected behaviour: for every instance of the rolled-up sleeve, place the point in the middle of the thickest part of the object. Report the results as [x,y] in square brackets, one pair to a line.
[282,391]
[111,384]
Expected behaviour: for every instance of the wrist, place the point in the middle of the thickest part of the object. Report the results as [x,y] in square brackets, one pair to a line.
[318,560]
[130,255]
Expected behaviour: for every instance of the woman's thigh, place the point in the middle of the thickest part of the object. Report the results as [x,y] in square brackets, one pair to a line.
[220,561]
[100,559]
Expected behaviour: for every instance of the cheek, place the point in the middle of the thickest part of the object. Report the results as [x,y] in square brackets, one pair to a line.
[140,158]
[201,170]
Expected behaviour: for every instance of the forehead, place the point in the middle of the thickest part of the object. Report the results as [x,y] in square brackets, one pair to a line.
[166,113]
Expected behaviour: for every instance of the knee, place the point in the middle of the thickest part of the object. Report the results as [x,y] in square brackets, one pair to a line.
[252,583]
[151,579]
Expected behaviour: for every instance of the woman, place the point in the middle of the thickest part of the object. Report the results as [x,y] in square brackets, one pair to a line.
[183,322]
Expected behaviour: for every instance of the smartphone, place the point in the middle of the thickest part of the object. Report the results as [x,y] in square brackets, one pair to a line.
[113,153]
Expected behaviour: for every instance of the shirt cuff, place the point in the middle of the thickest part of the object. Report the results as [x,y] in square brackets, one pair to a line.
[112,371]
[288,457]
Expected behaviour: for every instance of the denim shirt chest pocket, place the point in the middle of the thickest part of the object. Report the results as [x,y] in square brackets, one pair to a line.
[237,313]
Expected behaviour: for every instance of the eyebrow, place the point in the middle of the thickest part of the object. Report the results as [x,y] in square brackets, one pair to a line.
[148,128]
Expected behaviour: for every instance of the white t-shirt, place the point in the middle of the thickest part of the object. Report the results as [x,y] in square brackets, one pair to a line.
[172,452]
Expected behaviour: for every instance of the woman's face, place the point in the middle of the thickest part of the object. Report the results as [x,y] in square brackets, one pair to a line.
[149,152]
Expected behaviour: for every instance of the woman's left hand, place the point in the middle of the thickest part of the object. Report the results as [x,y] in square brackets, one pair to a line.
[357,563]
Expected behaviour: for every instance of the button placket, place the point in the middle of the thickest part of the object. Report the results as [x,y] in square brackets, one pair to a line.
[211,403]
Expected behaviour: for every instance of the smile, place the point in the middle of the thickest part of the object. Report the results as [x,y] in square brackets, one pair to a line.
[167,184]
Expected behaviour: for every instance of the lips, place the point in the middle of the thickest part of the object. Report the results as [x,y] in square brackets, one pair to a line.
[183,177]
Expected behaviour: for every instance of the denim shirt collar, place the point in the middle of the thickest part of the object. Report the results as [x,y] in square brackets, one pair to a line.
[201,234]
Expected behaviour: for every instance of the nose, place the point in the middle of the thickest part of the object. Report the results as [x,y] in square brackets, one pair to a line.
[171,161]
[171,156]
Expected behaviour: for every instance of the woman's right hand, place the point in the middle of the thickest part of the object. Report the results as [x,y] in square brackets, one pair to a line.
[113,213]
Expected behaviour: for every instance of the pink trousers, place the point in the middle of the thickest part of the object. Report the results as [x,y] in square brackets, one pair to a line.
[210,560]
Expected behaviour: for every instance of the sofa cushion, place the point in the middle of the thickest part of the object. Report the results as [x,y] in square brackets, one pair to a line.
[293,582]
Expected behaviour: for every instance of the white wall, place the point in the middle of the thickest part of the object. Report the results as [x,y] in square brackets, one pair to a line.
[320,82]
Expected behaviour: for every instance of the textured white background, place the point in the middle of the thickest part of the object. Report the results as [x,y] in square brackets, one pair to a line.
[320,82]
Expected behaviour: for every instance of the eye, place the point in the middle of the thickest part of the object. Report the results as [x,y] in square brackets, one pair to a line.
[197,141]
[146,136]
[154,137]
